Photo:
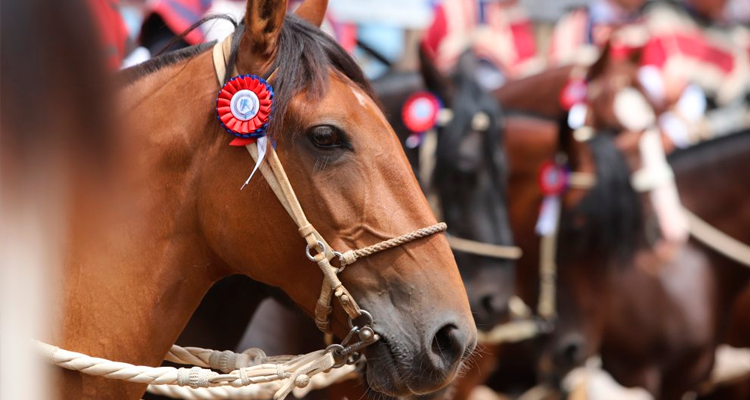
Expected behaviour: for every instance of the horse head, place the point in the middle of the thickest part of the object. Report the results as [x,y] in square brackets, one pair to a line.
[601,223]
[470,180]
[355,185]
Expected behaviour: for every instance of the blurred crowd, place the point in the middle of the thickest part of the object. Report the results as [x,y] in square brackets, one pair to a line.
[694,53]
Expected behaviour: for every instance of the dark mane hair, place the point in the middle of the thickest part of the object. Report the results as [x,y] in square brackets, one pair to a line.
[607,223]
[136,72]
[303,59]
[302,62]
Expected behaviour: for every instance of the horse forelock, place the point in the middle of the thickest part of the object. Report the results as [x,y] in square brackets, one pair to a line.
[304,59]
[608,223]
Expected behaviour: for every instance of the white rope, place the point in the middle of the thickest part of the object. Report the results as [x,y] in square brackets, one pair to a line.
[511,332]
[256,392]
[484,249]
[718,240]
[285,373]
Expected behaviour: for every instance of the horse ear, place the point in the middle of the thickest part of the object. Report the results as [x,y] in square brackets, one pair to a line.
[433,79]
[313,11]
[263,21]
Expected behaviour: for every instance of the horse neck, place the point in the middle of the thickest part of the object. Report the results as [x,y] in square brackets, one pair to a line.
[712,181]
[537,94]
[137,265]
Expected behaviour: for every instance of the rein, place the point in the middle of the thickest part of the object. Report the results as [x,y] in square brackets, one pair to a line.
[273,375]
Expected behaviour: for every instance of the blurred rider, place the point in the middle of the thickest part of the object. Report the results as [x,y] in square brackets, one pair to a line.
[498,31]
[693,42]
[581,33]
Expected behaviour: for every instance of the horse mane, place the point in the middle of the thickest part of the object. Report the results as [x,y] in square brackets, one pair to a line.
[132,74]
[608,223]
[304,56]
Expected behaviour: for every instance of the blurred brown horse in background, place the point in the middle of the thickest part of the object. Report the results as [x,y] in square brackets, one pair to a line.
[610,280]
[655,322]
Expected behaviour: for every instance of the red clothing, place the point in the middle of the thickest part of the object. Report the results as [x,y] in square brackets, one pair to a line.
[716,58]
[497,32]
[582,33]
[179,15]
[114,32]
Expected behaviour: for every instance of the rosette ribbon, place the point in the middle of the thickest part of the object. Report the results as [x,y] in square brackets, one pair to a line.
[553,183]
[244,109]
[420,114]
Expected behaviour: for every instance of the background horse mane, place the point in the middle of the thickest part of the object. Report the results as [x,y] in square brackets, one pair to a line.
[607,222]
[130,75]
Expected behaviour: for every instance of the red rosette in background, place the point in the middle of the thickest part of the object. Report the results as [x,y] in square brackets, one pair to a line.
[553,179]
[420,112]
[572,93]
[244,106]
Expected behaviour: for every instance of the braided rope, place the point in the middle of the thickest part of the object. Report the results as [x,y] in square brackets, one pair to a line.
[286,372]
[256,392]
[351,256]
[225,361]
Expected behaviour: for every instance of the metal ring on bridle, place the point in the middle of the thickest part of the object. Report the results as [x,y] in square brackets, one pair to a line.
[310,256]
[362,313]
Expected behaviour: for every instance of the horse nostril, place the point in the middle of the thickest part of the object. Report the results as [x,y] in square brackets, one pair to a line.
[448,346]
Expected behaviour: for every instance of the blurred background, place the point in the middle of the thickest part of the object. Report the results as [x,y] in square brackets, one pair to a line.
[693,64]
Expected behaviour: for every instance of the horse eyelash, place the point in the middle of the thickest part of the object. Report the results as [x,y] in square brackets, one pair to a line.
[321,163]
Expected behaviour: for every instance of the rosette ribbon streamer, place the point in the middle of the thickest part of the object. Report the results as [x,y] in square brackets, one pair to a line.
[244,108]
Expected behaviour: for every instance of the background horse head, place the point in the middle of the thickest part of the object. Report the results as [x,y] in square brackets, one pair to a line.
[600,228]
[181,222]
[469,177]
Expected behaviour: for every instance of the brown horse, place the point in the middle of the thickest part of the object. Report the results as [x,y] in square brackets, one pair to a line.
[598,224]
[144,251]
[655,318]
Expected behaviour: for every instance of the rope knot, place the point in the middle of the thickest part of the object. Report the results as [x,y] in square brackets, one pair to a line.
[347,258]
[244,379]
[195,377]
[302,381]
[225,361]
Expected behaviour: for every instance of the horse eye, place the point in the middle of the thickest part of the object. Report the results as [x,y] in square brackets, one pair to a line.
[326,136]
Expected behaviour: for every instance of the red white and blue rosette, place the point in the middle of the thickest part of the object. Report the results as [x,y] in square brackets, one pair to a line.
[553,179]
[244,106]
[420,112]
